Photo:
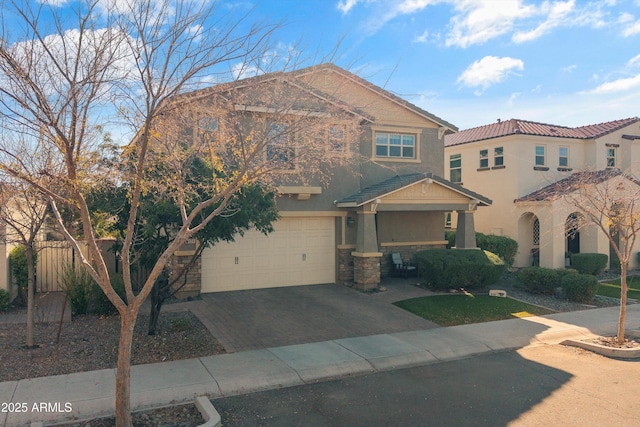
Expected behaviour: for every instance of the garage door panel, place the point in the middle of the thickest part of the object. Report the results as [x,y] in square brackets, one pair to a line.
[301,251]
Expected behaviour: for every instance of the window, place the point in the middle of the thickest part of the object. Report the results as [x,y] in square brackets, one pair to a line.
[207,127]
[498,156]
[484,159]
[396,145]
[336,138]
[563,158]
[447,219]
[611,157]
[540,156]
[278,148]
[536,232]
[455,168]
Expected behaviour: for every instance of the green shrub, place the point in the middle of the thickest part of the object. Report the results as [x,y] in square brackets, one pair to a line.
[539,280]
[5,300]
[505,247]
[580,287]
[593,264]
[102,305]
[444,269]
[18,260]
[450,237]
[77,283]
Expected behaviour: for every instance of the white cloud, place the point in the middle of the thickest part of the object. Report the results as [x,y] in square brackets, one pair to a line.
[512,99]
[620,85]
[556,15]
[632,29]
[422,38]
[55,3]
[489,71]
[196,32]
[346,5]
[478,21]
[569,69]
[634,62]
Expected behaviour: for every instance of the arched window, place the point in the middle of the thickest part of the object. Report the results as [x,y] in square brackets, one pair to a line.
[536,232]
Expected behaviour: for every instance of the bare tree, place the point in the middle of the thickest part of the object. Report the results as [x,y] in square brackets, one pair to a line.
[145,58]
[23,210]
[610,200]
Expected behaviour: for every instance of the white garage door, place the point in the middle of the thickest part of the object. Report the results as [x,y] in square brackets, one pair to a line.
[301,251]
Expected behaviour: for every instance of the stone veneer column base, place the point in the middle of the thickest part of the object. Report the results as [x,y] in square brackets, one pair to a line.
[345,266]
[194,277]
[366,270]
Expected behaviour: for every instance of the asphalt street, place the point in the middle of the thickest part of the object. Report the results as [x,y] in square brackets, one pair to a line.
[540,386]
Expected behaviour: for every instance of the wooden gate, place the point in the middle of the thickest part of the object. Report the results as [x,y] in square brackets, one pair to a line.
[53,257]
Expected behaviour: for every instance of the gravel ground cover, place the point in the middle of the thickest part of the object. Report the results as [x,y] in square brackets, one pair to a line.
[91,342]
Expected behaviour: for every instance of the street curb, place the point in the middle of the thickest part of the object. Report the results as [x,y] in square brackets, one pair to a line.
[612,352]
[209,413]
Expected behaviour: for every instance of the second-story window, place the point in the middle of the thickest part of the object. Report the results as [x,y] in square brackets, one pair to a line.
[278,148]
[207,128]
[498,156]
[395,145]
[455,168]
[484,159]
[336,138]
[563,157]
[540,155]
[611,157]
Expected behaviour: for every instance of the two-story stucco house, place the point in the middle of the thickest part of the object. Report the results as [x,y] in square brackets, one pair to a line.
[345,230]
[516,164]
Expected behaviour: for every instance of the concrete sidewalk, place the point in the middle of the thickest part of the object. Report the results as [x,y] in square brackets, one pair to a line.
[90,394]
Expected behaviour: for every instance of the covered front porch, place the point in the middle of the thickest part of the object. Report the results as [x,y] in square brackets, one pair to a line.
[403,214]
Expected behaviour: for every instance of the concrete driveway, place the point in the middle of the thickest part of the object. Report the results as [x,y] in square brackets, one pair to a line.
[263,318]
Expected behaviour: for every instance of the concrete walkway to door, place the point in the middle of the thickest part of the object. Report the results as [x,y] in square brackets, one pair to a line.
[263,318]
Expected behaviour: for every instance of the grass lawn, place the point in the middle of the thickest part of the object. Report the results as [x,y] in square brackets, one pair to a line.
[451,310]
[612,289]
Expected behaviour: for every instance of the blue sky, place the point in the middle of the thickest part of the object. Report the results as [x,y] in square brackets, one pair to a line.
[471,62]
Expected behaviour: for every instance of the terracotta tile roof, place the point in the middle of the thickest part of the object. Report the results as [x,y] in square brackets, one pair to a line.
[569,184]
[390,185]
[525,127]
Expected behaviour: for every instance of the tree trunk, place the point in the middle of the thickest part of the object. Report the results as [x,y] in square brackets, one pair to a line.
[161,290]
[123,371]
[156,305]
[623,301]
[30,294]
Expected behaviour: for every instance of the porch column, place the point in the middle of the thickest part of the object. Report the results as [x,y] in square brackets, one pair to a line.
[366,258]
[465,231]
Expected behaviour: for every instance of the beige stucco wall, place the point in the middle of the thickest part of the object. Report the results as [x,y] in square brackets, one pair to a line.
[404,227]
[519,177]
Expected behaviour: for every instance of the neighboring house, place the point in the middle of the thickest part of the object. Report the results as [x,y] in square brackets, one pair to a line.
[518,163]
[393,201]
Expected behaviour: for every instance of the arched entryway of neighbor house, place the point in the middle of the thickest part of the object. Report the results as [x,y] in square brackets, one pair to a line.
[529,239]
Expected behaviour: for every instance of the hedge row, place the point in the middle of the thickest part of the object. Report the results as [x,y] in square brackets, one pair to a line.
[444,269]
[576,286]
[587,263]
[505,247]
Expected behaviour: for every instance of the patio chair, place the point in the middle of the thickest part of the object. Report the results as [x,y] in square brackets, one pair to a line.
[401,267]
